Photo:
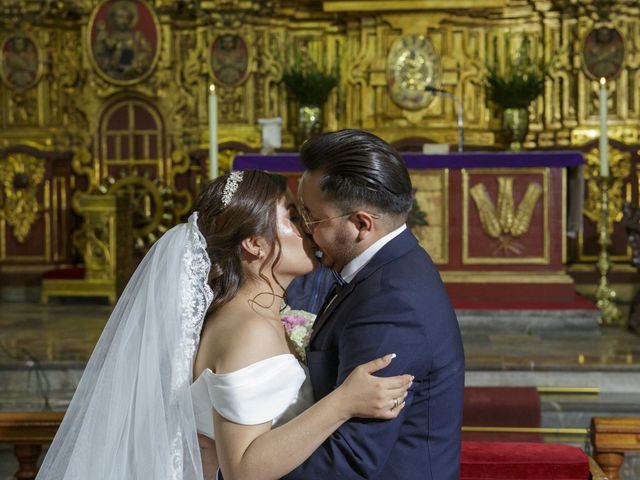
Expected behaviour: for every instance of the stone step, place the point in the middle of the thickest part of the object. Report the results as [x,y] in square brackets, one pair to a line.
[529,321]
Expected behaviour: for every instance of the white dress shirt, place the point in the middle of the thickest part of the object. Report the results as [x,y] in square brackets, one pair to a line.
[352,268]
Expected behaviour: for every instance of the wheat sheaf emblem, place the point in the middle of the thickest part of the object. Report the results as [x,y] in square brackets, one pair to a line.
[503,223]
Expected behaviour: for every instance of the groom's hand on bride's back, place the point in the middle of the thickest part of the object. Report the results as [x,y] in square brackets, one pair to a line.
[370,396]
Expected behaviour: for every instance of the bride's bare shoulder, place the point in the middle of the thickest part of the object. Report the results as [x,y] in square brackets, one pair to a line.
[234,342]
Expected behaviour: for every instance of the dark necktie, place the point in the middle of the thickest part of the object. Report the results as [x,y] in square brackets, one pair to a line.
[338,285]
[339,281]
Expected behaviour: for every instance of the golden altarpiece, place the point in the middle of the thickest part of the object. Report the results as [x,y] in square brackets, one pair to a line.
[109,98]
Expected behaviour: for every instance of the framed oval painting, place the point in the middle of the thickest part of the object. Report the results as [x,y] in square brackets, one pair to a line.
[229,60]
[603,53]
[20,65]
[124,40]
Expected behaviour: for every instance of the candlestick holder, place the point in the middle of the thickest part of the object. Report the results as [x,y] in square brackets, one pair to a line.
[605,295]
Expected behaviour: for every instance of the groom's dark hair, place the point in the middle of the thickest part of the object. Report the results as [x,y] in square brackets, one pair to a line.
[360,169]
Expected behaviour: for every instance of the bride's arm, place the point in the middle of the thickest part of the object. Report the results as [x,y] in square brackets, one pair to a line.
[257,452]
[208,456]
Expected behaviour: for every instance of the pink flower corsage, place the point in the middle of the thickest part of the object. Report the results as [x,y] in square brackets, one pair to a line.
[297,325]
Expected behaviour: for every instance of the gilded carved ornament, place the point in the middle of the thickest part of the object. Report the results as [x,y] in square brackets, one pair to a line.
[93,241]
[21,176]
[152,206]
[413,65]
[620,165]
[502,222]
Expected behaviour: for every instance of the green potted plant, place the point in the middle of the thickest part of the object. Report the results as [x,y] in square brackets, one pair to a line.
[513,90]
[310,87]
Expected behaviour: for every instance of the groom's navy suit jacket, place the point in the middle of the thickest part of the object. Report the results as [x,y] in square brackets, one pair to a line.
[395,304]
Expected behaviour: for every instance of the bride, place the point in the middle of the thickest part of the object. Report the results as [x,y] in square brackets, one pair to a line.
[195,351]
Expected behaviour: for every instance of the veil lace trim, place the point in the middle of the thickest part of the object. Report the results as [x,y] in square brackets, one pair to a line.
[194,302]
[196,298]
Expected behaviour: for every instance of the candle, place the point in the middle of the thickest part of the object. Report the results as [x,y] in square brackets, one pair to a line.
[213,132]
[604,140]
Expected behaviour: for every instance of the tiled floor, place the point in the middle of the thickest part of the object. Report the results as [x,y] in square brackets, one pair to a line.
[68,332]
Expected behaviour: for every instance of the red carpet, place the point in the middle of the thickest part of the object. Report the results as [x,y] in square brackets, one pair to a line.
[522,461]
[501,407]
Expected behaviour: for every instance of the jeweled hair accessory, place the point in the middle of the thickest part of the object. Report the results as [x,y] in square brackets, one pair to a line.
[231,186]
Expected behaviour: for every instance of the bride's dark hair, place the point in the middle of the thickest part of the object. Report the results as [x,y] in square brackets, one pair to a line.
[250,212]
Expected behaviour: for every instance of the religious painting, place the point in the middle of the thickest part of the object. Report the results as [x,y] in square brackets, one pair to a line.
[124,40]
[603,53]
[412,66]
[229,59]
[20,63]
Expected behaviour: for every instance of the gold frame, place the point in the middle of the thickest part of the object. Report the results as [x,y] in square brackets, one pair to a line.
[404,5]
[247,73]
[468,260]
[584,63]
[520,277]
[40,61]
[154,61]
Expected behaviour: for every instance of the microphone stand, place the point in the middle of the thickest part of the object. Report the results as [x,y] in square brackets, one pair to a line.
[458,104]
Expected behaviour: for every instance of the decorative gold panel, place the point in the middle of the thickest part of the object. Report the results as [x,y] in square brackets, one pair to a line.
[21,177]
[504,219]
[432,196]
[620,191]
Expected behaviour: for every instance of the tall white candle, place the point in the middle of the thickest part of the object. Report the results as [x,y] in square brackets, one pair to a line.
[604,140]
[213,132]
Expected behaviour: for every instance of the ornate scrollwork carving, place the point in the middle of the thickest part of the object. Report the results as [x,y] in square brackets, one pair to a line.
[501,222]
[21,176]
[93,240]
[151,203]
[620,163]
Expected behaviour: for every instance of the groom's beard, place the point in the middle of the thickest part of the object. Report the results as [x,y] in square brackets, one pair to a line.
[343,250]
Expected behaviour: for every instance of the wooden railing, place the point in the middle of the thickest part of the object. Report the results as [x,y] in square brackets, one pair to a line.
[28,432]
[611,438]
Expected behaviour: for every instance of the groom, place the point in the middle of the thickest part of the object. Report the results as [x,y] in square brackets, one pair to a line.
[354,197]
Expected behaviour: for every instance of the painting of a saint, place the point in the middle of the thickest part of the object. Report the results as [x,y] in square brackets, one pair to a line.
[229,59]
[603,53]
[20,63]
[124,40]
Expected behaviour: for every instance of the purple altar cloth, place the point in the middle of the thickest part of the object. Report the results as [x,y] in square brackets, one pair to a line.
[290,163]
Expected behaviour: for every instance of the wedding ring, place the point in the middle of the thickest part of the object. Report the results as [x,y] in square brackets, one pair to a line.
[395,403]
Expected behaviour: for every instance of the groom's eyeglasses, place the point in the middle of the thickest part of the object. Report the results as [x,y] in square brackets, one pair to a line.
[308,223]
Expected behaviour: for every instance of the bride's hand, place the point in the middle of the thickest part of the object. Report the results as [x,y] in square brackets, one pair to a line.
[368,396]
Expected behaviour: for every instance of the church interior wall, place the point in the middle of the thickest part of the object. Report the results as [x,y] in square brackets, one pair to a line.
[61,78]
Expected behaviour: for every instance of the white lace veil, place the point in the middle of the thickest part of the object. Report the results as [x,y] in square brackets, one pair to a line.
[131,416]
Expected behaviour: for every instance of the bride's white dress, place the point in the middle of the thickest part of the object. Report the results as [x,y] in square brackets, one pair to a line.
[277,389]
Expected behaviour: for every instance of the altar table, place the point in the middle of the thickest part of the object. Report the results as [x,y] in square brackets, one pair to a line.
[497,221]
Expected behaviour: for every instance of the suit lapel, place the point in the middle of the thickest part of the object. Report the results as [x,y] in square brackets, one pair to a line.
[397,247]
[326,313]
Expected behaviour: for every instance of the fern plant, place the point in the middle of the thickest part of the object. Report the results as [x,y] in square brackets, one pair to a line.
[308,84]
[520,84]
[517,87]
